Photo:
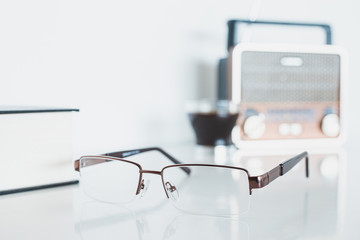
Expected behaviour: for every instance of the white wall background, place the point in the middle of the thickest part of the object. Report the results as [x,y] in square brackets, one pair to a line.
[131,65]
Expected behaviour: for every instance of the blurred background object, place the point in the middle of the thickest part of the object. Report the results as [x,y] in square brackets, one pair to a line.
[213,121]
[286,91]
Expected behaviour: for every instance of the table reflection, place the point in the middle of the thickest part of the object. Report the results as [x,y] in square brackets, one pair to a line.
[108,221]
[188,226]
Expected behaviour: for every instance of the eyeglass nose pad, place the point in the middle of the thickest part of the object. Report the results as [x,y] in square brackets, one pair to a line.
[172,191]
[144,187]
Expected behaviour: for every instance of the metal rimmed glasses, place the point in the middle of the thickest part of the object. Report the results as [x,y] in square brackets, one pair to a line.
[195,188]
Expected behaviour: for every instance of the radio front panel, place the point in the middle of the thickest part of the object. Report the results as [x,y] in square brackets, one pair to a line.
[287,92]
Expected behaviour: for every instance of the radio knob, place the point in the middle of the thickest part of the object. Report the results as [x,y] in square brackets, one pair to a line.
[295,129]
[254,126]
[284,129]
[330,125]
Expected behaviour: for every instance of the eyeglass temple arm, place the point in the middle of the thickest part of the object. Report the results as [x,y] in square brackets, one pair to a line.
[266,178]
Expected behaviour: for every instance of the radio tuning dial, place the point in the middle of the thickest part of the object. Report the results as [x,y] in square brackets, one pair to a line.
[254,126]
[330,125]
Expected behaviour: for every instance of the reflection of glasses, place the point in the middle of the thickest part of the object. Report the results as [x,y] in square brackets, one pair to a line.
[195,188]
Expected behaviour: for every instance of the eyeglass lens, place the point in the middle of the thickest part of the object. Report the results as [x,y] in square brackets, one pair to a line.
[110,181]
[208,190]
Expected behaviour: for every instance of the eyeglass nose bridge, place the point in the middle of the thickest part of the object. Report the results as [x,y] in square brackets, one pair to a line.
[141,182]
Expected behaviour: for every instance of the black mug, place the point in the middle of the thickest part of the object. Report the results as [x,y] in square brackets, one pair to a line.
[213,121]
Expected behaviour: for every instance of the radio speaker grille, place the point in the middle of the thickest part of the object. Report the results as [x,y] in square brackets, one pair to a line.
[313,77]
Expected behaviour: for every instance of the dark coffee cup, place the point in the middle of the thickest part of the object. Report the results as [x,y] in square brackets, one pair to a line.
[213,122]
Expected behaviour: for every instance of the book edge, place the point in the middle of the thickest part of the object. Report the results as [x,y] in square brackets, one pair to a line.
[38,111]
[39,187]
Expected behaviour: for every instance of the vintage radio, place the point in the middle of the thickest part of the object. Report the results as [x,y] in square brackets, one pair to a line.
[287,92]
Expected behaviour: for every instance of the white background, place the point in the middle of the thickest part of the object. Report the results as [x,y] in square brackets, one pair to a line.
[130,66]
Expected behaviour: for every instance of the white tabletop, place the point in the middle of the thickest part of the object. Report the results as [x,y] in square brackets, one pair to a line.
[324,206]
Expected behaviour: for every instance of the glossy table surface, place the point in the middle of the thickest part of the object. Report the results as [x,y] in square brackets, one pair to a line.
[324,206]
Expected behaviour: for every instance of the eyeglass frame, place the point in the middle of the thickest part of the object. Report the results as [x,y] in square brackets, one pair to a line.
[255,182]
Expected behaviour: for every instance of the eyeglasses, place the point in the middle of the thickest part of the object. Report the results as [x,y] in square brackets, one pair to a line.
[195,188]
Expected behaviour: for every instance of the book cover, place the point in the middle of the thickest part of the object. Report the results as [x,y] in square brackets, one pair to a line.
[35,148]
